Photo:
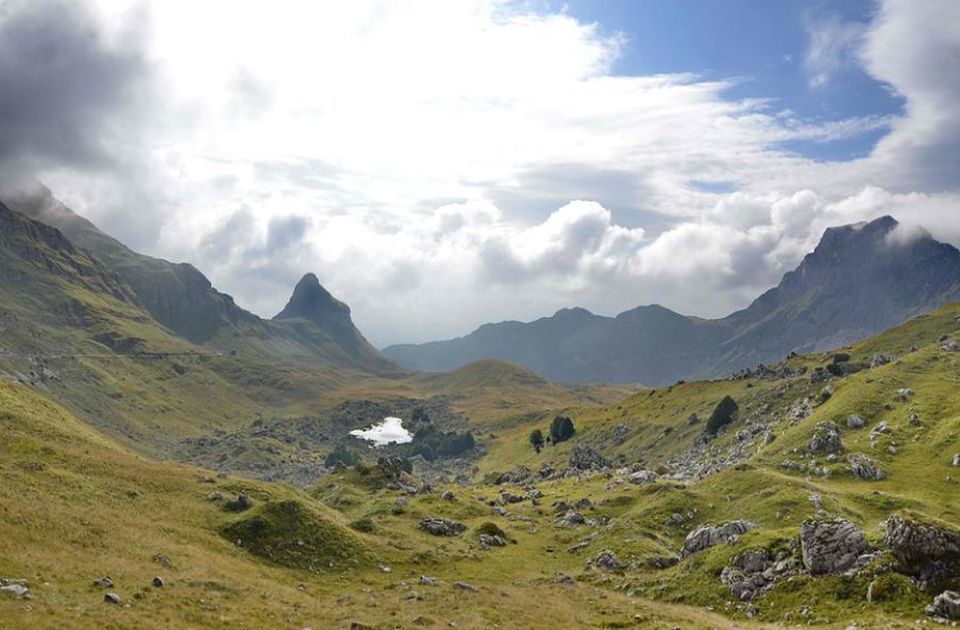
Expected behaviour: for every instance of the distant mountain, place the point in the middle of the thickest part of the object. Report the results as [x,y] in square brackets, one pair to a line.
[183,300]
[859,280]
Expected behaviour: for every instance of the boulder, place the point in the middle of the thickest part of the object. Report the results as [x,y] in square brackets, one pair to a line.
[922,550]
[157,582]
[391,466]
[487,541]
[830,547]
[104,582]
[442,527]
[879,359]
[16,588]
[642,476]
[826,438]
[707,536]
[112,598]
[865,468]
[946,605]
[855,422]
[607,560]
[586,457]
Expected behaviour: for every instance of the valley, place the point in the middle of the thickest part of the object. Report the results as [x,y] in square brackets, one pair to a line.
[155,477]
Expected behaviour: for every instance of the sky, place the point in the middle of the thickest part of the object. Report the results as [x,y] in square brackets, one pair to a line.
[440,164]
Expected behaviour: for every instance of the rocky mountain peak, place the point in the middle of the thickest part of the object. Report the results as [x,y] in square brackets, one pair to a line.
[312,302]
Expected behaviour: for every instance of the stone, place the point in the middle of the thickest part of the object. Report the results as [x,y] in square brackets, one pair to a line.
[442,527]
[391,466]
[17,588]
[157,582]
[112,598]
[464,586]
[922,550]
[447,495]
[572,517]
[487,541]
[946,605]
[826,438]
[879,359]
[865,468]
[956,459]
[693,419]
[509,497]
[642,476]
[584,457]
[950,345]
[215,497]
[830,547]
[565,579]
[104,582]
[607,560]
[855,422]
[707,536]
[426,580]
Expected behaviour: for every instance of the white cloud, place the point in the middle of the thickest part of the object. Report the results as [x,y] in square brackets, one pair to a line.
[441,164]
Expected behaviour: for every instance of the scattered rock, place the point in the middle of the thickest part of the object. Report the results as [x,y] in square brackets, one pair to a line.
[607,560]
[922,550]
[584,457]
[826,438]
[946,605]
[642,476]
[487,541]
[104,582]
[426,580]
[707,536]
[112,598]
[865,468]
[956,459]
[693,419]
[509,497]
[880,359]
[447,495]
[463,586]
[215,497]
[18,588]
[830,547]
[572,517]
[904,393]
[158,582]
[855,422]
[442,527]
[950,345]
[563,578]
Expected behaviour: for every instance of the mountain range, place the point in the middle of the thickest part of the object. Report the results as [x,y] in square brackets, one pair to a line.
[860,280]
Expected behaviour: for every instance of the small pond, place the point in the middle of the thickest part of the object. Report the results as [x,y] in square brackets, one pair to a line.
[390,429]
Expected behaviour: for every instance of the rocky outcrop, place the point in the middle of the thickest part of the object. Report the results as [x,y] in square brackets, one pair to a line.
[442,527]
[586,457]
[708,536]
[946,605]
[923,550]
[831,547]
[826,439]
[607,560]
[753,573]
[642,476]
[865,468]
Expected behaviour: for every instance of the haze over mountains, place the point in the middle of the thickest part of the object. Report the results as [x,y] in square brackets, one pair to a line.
[859,280]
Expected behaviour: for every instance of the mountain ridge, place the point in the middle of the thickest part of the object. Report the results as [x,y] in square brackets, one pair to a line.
[859,280]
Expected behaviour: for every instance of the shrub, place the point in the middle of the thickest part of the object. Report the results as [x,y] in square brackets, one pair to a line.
[723,414]
[536,439]
[364,525]
[430,443]
[561,429]
[341,455]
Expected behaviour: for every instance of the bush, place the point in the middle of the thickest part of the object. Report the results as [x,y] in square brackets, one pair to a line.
[536,439]
[430,443]
[723,414]
[364,525]
[561,429]
[341,455]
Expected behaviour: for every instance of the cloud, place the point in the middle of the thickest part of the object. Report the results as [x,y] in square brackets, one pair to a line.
[833,47]
[441,164]
[68,84]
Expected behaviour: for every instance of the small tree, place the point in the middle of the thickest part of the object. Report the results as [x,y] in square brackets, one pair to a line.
[723,414]
[561,429]
[341,455]
[536,439]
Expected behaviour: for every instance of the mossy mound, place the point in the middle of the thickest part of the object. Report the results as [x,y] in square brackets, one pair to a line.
[292,534]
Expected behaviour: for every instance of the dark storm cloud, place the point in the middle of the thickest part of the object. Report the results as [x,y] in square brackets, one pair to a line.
[65,89]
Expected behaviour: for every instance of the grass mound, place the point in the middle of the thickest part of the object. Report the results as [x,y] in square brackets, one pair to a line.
[292,534]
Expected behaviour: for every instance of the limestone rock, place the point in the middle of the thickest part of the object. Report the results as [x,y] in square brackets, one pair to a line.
[442,527]
[830,547]
[855,422]
[585,457]
[708,536]
[946,605]
[865,468]
[922,549]
[826,438]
